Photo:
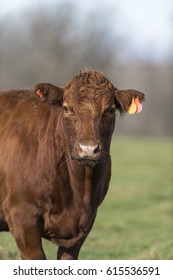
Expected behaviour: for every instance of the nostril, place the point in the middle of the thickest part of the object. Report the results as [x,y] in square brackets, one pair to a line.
[97,149]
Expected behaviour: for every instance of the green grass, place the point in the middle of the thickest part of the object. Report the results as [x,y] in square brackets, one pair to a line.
[136,219]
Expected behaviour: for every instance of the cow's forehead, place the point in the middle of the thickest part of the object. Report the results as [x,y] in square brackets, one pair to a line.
[97,95]
[89,102]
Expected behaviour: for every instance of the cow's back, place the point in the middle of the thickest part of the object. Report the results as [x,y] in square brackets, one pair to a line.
[23,123]
[19,124]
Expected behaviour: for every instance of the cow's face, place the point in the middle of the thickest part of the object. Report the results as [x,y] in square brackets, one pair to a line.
[89,108]
[89,103]
[89,118]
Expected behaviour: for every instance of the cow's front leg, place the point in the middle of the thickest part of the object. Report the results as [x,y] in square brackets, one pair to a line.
[72,252]
[24,225]
[68,253]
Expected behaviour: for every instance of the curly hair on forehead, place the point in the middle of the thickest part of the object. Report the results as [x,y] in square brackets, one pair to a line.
[91,79]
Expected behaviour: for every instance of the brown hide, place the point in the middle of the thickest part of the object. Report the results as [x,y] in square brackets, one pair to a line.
[55,164]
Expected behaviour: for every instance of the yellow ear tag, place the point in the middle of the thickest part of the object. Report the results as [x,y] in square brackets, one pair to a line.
[132,107]
[135,106]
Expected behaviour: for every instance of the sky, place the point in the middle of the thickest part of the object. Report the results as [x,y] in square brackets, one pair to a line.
[147,25]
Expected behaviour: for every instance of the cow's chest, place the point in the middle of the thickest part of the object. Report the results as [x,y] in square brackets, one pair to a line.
[62,212]
[69,206]
[61,225]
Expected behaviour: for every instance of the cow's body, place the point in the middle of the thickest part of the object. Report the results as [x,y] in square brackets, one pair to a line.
[53,176]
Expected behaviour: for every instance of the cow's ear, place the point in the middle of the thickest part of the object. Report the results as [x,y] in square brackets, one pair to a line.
[129,100]
[49,93]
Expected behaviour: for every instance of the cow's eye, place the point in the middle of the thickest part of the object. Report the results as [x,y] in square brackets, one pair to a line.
[112,110]
[109,111]
[68,110]
[65,108]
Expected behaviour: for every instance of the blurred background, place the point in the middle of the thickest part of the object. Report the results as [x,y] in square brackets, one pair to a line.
[132,43]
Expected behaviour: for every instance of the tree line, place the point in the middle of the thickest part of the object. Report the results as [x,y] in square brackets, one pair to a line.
[52,44]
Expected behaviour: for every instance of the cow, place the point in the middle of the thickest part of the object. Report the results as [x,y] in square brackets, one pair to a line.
[55,163]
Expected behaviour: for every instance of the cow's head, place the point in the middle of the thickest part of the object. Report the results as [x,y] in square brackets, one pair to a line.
[89,103]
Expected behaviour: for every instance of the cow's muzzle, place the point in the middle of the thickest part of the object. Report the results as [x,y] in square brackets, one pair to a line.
[88,151]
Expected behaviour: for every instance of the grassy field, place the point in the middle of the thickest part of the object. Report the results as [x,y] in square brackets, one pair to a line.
[136,219]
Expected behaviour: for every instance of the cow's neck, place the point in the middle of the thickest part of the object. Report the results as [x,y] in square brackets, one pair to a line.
[88,190]
[85,217]
[86,211]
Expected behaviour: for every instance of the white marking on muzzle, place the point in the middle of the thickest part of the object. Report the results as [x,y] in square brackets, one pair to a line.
[88,150]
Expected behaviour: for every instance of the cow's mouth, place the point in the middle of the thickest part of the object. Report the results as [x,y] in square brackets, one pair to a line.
[86,161]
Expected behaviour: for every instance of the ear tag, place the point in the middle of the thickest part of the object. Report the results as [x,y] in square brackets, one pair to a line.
[132,107]
[135,106]
[39,93]
[138,105]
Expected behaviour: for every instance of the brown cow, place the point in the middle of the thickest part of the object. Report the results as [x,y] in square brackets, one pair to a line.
[55,164]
